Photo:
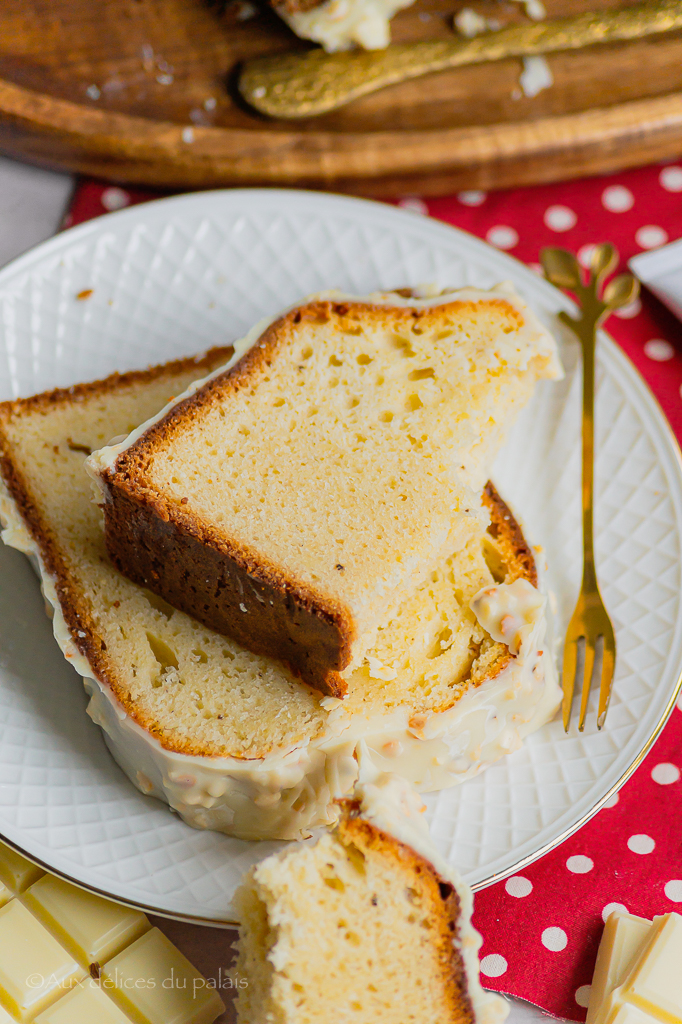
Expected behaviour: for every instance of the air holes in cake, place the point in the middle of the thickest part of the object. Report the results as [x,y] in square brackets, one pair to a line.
[363,359]
[356,858]
[414,402]
[404,345]
[158,604]
[497,565]
[199,655]
[380,380]
[426,371]
[278,403]
[306,353]
[412,895]
[441,644]
[335,361]
[354,940]
[313,412]
[334,883]
[386,417]
[164,654]
[353,403]
[445,890]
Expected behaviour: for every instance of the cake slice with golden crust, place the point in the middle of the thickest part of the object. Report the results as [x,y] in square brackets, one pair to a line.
[293,499]
[231,739]
[367,925]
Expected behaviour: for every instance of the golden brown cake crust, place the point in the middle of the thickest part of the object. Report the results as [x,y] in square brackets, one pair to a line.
[75,608]
[162,545]
[434,892]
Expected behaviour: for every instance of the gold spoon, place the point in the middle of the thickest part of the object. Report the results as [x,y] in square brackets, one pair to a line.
[292,85]
[590,621]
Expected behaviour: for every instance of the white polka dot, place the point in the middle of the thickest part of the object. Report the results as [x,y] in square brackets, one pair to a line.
[493,965]
[414,204]
[665,773]
[503,237]
[560,218]
[671,179]
[617,198]
[114,198]
[585,255]
[582,995]
[673,890]
[188,134]
[659,350]
[518,886]
[579,864]
[627,312]
[554,939]
[612,800]
[611,908]
[473,197]
[651,236]
[641,844]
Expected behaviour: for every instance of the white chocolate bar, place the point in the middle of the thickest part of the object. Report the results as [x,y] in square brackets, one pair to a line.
[622,941]
[647,969]
[70,957]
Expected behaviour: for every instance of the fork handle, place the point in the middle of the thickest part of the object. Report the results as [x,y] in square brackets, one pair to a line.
[589,342]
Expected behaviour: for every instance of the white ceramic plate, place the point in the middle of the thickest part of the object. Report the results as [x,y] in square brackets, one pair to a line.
[177,276]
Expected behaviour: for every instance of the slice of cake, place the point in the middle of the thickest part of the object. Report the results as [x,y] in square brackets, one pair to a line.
[233,740]
[295,497]
[368,924]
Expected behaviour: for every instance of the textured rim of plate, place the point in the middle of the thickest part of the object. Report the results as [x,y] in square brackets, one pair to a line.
[491,255]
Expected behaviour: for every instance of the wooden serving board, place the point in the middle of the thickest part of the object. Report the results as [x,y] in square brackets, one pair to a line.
[112,87]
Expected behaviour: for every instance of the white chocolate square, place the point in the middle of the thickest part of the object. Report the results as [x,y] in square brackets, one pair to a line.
[94,929]
[34,967]
[88,1003]
[5,894]
[621,943]
[628,1014]
[17,872]
[655,983]
[156,984]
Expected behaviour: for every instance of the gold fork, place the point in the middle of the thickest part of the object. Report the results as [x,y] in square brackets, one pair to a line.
[590,620]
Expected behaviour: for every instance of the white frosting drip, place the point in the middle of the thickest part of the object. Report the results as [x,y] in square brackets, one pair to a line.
[512,613]
[391,804]
[341,24]
[290,792]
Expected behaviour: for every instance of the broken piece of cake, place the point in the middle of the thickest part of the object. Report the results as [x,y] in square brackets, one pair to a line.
[294,498]
[367,924]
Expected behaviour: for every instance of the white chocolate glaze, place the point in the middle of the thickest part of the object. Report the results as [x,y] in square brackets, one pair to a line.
[341,24]
[512,613]
[391,804]
[291,791]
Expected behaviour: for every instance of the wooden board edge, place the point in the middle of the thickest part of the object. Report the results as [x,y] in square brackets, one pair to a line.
[63,135]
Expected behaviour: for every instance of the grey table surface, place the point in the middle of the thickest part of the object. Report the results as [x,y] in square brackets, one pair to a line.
[32,204]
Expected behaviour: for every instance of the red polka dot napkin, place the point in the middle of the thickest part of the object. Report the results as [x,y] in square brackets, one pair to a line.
[541,929]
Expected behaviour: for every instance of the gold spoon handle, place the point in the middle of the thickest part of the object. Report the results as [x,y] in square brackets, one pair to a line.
[306,84]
